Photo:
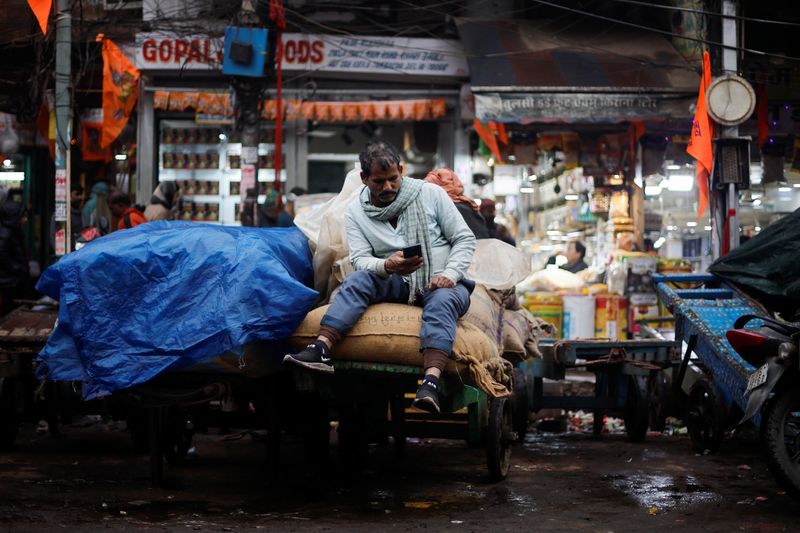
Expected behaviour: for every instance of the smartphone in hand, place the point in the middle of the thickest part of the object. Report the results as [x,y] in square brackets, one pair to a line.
[415,250]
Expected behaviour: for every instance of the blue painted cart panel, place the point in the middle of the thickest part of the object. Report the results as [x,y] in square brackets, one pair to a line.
[708,313]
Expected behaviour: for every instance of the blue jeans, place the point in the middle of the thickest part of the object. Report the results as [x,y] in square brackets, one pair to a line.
[440,308]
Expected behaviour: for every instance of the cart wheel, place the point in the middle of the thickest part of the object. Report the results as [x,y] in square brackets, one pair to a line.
[499,437]
[597,421]
[637,410]
[353,444]
[398,411]
[137,426]
[706,416]
[659,391]
[155,427]
[178,439]
[9,419]
[601,386]
[519,399]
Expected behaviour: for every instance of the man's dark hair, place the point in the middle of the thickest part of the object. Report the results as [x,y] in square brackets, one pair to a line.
[380,153]
[77,188]
[120,198]
[580,248]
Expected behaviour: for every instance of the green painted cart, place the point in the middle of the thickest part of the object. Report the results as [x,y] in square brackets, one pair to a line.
[374,403]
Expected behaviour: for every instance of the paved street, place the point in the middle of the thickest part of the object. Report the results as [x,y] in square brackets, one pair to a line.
[559,482]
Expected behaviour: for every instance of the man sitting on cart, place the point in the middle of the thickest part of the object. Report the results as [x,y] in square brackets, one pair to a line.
[393,212]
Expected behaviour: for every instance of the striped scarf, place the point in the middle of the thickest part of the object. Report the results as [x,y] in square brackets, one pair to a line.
[407,208]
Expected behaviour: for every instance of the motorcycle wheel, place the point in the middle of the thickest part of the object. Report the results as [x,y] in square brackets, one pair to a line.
[780,432]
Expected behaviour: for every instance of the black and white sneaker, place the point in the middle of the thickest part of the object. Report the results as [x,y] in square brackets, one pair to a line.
[427,397]
[313,357]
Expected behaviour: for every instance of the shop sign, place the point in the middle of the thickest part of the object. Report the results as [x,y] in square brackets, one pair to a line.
[248,180]
[60,239]
[313,52]
[374,55]
[165,51]
[584,107]
[61,195]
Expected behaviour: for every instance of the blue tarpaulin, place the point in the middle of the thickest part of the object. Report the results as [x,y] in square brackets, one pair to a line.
[168,295]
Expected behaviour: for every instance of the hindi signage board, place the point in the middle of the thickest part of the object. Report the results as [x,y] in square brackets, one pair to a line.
[574,107]
[374,55]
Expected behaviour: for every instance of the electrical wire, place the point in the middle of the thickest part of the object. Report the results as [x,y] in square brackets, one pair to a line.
[710,13]
[669,33]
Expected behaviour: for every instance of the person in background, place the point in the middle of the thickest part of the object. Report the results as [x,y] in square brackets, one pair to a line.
[291,198]
[496,231]
[249,208]
[164,202]
[575,253]
[269,215]
[75,216]
[13,259]
[450,182]
[128,216]
[392,212]
[96,212]
[75,210]
[505,235]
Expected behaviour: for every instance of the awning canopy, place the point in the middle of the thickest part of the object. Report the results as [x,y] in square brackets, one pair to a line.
[541,71]
[219,105]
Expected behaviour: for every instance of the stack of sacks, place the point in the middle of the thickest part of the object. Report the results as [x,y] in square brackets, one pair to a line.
[389,333]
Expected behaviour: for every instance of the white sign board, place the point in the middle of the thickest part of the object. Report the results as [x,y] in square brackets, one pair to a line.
[374,55]
[313,52]
[166,51]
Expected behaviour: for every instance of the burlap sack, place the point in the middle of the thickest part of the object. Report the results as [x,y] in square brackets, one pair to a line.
[521,332]
[389,333]
[486,313]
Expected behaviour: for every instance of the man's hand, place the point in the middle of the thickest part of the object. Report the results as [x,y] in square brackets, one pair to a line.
[440,282]
[397,264]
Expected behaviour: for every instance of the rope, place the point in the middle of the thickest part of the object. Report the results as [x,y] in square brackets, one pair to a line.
[492,377]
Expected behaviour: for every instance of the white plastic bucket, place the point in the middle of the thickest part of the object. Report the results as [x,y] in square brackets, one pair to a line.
[579,317]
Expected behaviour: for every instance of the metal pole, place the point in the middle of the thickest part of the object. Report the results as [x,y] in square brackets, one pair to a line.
[247,94]
[63,105]
[730,64]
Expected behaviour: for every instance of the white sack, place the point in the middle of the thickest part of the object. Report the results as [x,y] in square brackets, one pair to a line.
[498,265]
[324,227]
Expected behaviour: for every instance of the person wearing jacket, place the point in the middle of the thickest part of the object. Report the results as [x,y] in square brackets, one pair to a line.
[96,212]
[13,259]
[390,213]
[164,202]
[450,182]
[128,216]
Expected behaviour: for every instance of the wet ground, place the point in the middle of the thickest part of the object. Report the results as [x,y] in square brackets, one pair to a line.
[91,479]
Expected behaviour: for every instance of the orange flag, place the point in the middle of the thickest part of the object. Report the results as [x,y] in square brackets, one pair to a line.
[487,136]
[499,129]
[41,10]
[701,146]
[120,90]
